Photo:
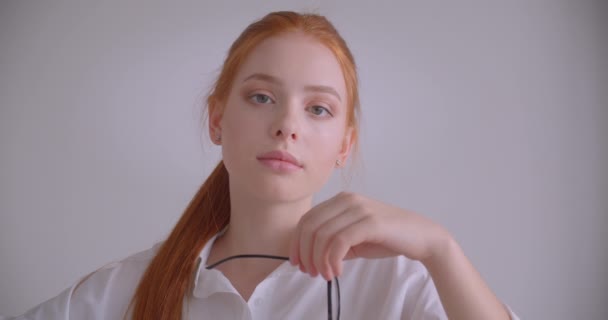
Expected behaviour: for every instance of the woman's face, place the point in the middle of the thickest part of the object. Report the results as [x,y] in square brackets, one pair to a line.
[288,95]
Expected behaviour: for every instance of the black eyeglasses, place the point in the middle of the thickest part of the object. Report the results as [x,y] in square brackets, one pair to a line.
[329,310]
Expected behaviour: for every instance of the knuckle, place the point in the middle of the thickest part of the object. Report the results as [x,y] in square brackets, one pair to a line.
[346,195]
[373,221]
[305,218]
[354,198]
[307,226]
[363,205]
[321,235]
[339,240]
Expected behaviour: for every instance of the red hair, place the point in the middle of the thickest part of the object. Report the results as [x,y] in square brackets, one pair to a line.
[162,288]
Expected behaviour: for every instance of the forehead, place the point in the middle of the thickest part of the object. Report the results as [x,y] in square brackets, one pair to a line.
[297,60]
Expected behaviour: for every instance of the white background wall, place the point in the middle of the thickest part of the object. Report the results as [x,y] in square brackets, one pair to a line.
[489,117]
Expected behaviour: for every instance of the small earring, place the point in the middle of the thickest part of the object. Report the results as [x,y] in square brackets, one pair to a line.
[218,137]
[338,163]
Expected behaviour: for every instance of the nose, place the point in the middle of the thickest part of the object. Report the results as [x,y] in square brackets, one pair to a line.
[285,125]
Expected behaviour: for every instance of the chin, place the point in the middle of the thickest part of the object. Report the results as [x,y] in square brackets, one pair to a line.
[277,192]
[272,187]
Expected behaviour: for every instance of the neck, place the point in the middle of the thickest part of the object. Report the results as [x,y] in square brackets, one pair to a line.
[260,226]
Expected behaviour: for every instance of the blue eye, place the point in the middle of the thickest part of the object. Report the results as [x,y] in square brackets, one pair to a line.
[318,110]
[260,98]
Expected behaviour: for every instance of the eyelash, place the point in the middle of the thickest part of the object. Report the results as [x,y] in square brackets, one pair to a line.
[253,96]
[259,95]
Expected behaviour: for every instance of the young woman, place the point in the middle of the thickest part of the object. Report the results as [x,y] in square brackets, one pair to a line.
[285,112]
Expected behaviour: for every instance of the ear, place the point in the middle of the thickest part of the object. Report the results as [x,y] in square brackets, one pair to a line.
[347,143]
[215,119]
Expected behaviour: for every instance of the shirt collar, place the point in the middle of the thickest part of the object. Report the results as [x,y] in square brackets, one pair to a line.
[208,282]
[213,279]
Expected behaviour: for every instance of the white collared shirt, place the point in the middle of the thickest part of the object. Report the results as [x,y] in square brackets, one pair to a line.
[389,288]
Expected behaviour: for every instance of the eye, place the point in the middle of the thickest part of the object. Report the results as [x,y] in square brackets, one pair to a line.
[318,110]
[260,98]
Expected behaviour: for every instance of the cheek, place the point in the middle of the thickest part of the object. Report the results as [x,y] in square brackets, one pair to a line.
[324,150]
[329,143]
[239,131]
[240,123]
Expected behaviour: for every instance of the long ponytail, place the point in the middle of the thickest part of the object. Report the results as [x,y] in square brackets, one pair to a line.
[169,274]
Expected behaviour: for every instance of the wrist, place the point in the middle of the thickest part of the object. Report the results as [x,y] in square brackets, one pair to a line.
[443,249]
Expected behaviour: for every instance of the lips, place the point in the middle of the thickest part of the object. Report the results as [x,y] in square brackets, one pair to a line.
[280,155]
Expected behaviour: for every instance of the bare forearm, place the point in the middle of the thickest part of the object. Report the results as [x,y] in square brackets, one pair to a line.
[462,291]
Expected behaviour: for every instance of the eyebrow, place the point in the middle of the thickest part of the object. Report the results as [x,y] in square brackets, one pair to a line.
[277,81]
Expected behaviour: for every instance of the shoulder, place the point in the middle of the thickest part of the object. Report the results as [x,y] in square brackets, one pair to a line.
[102,294]
[124,269]
[391,269]
[398,283]
[112,286]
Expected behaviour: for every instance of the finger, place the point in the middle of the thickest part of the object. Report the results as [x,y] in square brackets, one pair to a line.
[294,255]
[308,225]
[353,235]
[324,235]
